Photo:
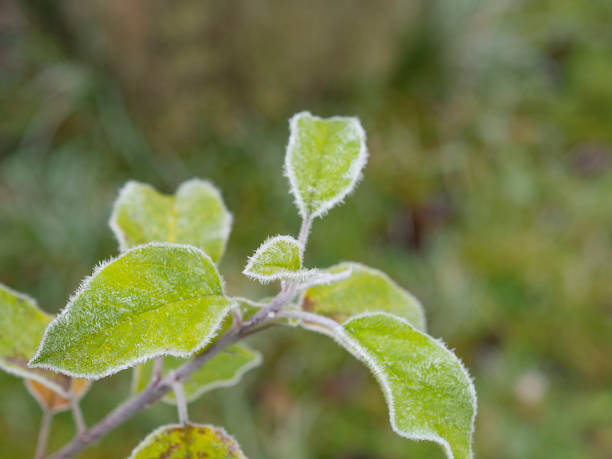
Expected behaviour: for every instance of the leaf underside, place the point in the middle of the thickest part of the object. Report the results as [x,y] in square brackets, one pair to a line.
[223,370]
[152,300]
[22,325]
[366,289]
[188,441]
[429,393]
[195,215]
[49,400]
[324,160]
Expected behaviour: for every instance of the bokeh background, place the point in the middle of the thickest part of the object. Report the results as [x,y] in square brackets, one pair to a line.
[488,194]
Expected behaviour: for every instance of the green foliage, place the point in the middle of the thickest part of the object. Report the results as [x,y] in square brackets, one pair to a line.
[196,215]
[428,391]
[365,290]
[153,300]
[278,258]
[223,370]
[22,325]
[187,441]
[323,161]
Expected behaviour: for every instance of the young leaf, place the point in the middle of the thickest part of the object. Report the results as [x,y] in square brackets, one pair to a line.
[429,393]
[365,290]
[188,441]
[223,370]
[277,258]
[22,325]
[49,400]
[324,161]
[153,300]
[196,215]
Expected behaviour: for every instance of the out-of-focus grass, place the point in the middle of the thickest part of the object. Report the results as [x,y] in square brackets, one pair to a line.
[487,194]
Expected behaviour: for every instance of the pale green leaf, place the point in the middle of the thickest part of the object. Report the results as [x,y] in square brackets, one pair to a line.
[324,160]
[188,441]
[223,370]
[428,391]
[365,290]
[195,215]
[153,300]
[22,325]
[277,258]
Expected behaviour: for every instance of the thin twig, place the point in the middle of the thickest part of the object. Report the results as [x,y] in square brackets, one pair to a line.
[43,434]
[77,415]
[309,317]
[158,366]
[181,403]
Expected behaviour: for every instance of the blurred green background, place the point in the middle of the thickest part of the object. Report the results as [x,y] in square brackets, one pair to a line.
[488,194]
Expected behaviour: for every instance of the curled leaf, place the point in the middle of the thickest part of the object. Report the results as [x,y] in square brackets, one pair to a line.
[195,215]
[50,400]
[279,257]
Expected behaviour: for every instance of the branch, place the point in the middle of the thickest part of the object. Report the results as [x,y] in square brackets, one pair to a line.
[157,389]
[43,434]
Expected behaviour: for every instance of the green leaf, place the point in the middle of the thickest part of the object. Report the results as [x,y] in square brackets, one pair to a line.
[153,300]
[22,325]
[324,161]
[223,370]
[365,290]
[196,215]
[188,441]
[277,258]
[428,391]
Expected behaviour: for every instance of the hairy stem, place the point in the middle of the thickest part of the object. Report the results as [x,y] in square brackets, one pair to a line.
[158,365]
[43,434]
[77,414]
[181,403]
[324,322]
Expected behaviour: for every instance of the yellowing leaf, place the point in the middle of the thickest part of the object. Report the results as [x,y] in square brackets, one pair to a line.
[428,391]
[152,300]
[324,161]
[50,400]
[22,325]
[196,215]
[365,290]
[223,370]
[189,441]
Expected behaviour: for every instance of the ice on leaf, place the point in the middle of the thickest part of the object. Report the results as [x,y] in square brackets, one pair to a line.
[324,160]
[195,215]
[188,441]
[428,391]
[49,400]
[364,290]
[223,370]
[279,257]
[22,325]
[153,300]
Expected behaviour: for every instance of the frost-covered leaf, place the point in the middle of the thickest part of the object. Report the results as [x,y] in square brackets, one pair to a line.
[50,400]
[428,391]
[324,160]
[22,325]
[223,370]
[188,441]
[195,215]
[365,290]
[279,257]
[155,299]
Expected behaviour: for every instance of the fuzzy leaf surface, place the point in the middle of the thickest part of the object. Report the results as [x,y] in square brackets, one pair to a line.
[49,400]
[223,370]
[153,300]
[188,441]
[428,391]
[279,257]
[22,325]
[324,160]
[195,215]
[365,290]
